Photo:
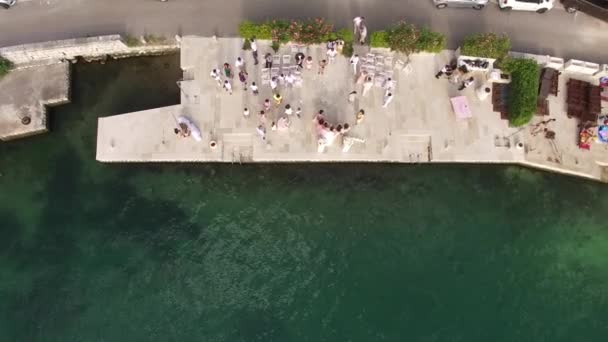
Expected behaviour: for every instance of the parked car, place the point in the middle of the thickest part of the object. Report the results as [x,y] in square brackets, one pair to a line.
[596,8]
[7,3]
[538,6]
[474,4]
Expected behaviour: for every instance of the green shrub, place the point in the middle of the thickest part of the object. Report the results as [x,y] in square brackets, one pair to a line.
[347,49]
[523,89]
[407,38]
[379,39]
[312,31]
[430,41]
[249,29]
[486,45]
[246,44]
[345,34]
[279,30]
[132,41]
[275,46]
[5,66]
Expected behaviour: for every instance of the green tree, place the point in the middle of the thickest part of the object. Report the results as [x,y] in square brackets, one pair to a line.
[486,45]
[523,89]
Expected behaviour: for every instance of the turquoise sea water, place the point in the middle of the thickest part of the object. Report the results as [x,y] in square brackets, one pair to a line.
[96,252]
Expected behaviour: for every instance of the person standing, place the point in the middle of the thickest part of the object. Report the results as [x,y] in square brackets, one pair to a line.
[360,117]
[239,64]
[227,70]
[300,60]
[309,63]
[243,79]
[266,105]
[215,74]
[268,60]
[246,112]
[228,87]
[362,34]
[352,96]
[273,83]
[254,51]
[277,99]
[367,85]
[388,97]
[357,22]
[354,60]
[467,83]
[331,54]
[322,65]
[254,88]
[288,109]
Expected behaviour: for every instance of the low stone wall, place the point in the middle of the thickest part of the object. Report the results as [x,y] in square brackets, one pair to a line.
[90,48]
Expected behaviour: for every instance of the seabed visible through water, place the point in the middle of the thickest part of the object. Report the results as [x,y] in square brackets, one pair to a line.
[205,252]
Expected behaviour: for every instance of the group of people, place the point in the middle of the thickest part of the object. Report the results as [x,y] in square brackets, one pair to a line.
[456,75]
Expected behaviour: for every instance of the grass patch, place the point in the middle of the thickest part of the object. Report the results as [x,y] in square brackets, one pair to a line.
[5,66]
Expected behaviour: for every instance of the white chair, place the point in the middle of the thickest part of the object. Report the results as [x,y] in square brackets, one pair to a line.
[399,64]
[370,56]
[286,59]
[276,60]
[388,61]
[294,48]
[379,60]
[274,72]
[408,69]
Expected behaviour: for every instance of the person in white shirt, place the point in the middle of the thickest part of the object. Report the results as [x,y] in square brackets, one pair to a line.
[254,51]
[254,88]
[246,112]
[290,79]
[273,83]
[362,34]
[354,60]
[389,84]
[228,87]
[288,110]
[388,97]
[357,21]
[215,74]
[331,54]
[239,63]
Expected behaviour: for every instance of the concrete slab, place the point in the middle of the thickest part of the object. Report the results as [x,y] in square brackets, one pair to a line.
[26,93]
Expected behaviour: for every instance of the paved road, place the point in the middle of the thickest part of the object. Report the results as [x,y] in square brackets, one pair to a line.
[555,32]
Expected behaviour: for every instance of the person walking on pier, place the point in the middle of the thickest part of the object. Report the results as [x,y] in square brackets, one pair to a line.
[331,55]
[357,22]
[239,64]
[363,34]
[277,99]
[309,63]
[254,88]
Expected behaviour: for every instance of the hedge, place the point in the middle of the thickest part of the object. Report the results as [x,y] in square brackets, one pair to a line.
[5,66]
[312,31]
[407,38]
[379,39]
[523,89]
[402,37]
[486,45]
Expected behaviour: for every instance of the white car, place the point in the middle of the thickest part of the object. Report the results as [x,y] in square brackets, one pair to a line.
[538,6]
[7,3]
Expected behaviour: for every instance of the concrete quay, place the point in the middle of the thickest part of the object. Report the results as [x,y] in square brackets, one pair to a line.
[418,126]
[41,78]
